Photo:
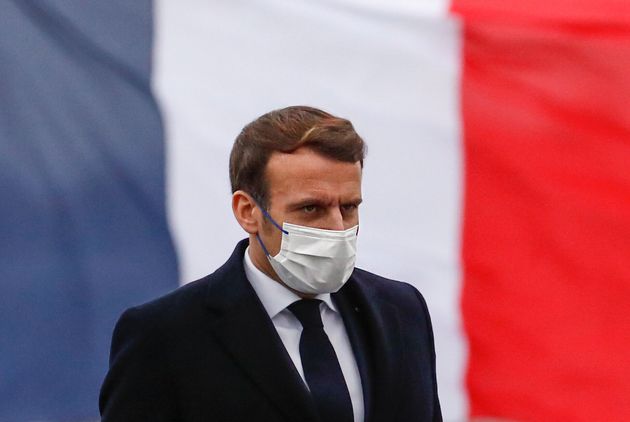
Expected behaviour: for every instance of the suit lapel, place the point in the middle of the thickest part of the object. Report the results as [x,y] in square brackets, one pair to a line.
[374,332]
[242,326]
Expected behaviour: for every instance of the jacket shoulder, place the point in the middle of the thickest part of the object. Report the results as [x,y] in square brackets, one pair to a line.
[169,308]
[191,297]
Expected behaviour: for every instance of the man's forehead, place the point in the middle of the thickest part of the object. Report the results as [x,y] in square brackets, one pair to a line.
[321,189]
[305,172]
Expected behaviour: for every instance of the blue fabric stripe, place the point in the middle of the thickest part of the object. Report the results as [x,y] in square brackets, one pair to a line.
[83,229]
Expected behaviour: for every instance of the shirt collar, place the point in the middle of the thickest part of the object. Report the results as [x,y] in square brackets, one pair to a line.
[273,295]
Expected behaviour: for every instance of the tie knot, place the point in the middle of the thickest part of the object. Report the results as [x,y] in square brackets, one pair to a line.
[307,312]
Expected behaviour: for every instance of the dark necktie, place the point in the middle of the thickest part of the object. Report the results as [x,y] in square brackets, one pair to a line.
[321,367]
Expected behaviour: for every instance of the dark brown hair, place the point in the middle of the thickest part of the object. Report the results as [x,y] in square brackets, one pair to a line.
[286,130]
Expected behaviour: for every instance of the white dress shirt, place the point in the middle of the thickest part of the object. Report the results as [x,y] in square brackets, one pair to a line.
[276,298]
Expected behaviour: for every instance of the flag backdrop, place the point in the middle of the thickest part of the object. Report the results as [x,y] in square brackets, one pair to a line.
[497,179]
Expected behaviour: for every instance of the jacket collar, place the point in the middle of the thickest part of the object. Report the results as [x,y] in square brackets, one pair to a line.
[243,327]
[373,328]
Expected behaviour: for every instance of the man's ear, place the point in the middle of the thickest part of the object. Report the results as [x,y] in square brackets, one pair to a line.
[245,210]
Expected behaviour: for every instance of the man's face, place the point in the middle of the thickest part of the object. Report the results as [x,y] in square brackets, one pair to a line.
[311,190]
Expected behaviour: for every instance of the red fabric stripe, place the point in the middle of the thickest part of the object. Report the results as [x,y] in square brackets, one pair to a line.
[546,242]
[563,11]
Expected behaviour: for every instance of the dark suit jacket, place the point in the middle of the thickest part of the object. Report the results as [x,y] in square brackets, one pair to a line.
[209,352]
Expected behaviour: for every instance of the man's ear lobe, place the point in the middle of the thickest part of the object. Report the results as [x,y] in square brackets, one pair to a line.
[245,210]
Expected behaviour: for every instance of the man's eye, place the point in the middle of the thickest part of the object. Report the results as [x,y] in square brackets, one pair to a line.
[349,207]
[309,209]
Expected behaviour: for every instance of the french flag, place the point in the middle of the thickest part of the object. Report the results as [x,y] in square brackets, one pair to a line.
[497,179]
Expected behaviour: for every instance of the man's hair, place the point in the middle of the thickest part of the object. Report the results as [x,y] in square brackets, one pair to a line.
[286,130]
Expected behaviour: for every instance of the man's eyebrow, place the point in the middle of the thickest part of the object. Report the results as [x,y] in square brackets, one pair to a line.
[314,200]
[311,200]
[355,201]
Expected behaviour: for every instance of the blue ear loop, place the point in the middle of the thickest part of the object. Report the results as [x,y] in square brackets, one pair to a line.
[268,217]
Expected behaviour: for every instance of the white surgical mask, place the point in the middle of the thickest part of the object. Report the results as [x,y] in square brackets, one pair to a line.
[314,261]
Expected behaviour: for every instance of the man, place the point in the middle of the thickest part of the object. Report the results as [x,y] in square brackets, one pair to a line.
[287,329]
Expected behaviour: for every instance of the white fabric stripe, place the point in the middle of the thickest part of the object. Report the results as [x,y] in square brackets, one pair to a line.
[391,67]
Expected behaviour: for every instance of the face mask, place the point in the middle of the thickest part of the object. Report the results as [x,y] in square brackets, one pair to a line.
[313,261]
